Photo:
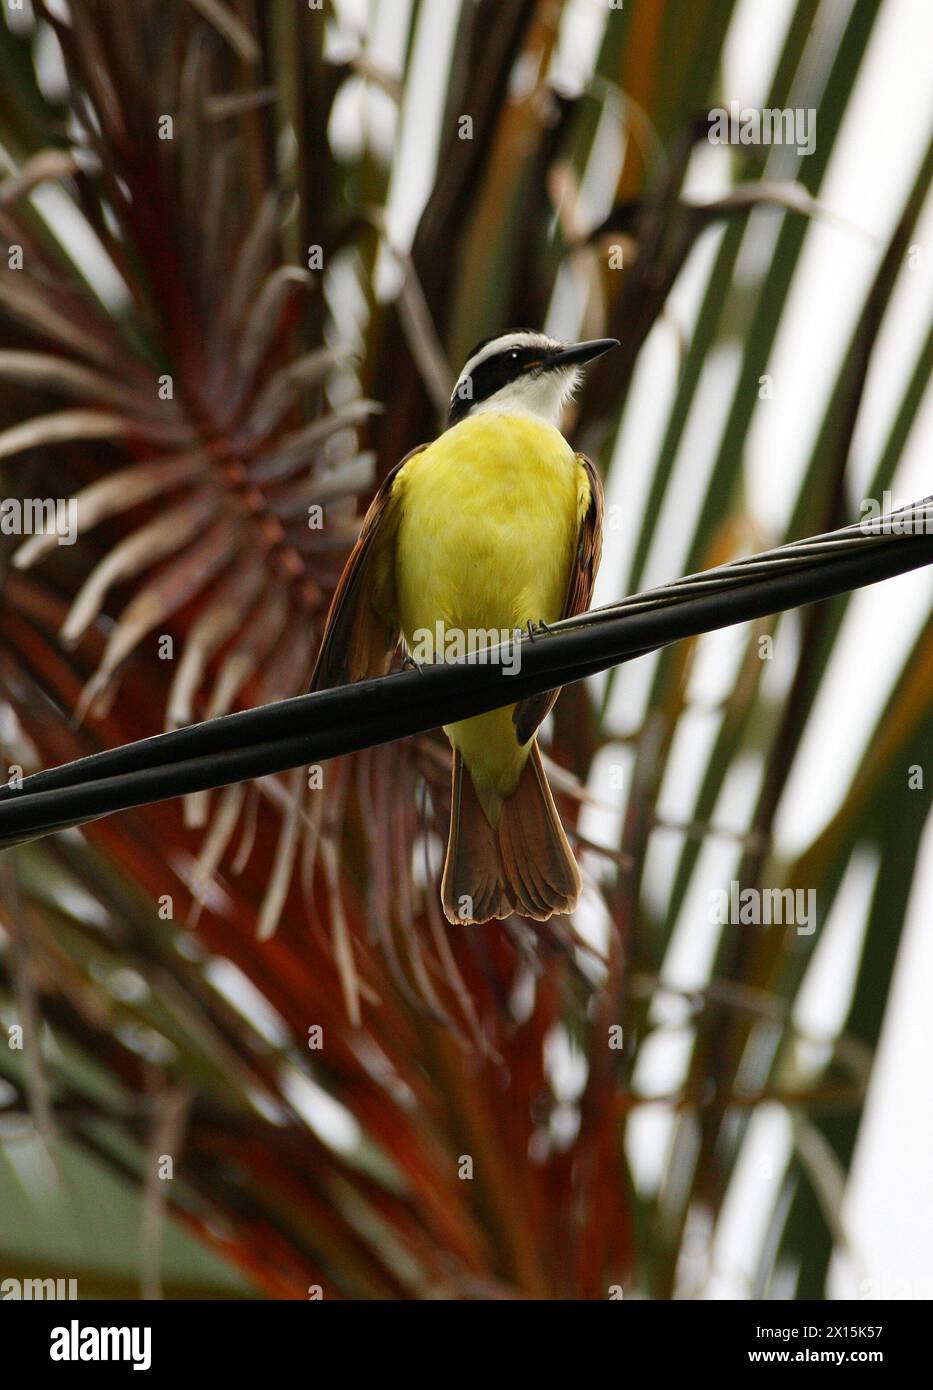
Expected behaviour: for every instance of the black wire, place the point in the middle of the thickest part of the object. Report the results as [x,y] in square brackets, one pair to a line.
[311,728]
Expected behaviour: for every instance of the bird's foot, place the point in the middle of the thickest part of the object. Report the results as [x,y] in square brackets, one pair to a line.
[534,628]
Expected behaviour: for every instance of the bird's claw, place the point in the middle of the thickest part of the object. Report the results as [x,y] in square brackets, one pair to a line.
[533,628]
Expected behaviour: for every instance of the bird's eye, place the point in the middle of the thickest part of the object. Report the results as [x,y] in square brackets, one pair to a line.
[514,354]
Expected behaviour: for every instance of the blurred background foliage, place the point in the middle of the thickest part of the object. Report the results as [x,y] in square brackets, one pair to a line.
[253,254]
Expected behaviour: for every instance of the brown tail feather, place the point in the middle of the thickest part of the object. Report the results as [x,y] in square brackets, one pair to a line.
[523,865]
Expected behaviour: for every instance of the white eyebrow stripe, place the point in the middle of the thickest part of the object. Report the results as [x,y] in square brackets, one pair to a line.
[507,340]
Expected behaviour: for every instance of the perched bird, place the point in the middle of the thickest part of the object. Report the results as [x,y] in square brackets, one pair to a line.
[495,525]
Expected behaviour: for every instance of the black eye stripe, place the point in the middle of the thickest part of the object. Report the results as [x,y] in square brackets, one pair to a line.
[488,376]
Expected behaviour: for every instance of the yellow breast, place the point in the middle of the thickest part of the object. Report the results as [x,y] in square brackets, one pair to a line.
[488,522]
[487,525]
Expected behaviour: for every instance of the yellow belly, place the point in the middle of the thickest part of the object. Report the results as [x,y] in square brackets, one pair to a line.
[488,521]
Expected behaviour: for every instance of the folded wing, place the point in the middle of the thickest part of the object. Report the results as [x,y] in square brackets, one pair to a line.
[362,628]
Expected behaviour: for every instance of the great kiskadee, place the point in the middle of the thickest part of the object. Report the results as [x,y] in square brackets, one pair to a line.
[496,525]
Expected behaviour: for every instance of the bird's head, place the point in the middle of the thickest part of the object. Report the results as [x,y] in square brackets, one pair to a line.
[522,373]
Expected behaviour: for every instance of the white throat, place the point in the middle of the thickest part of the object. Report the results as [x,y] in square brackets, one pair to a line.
[541,396]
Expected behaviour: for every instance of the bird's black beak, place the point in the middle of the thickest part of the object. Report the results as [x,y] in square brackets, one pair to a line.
[578,353]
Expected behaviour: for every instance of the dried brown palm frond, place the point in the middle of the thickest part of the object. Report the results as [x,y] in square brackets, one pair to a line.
[220,402]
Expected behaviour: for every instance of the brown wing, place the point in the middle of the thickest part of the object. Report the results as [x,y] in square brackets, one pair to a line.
[530,713]
[362,628]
